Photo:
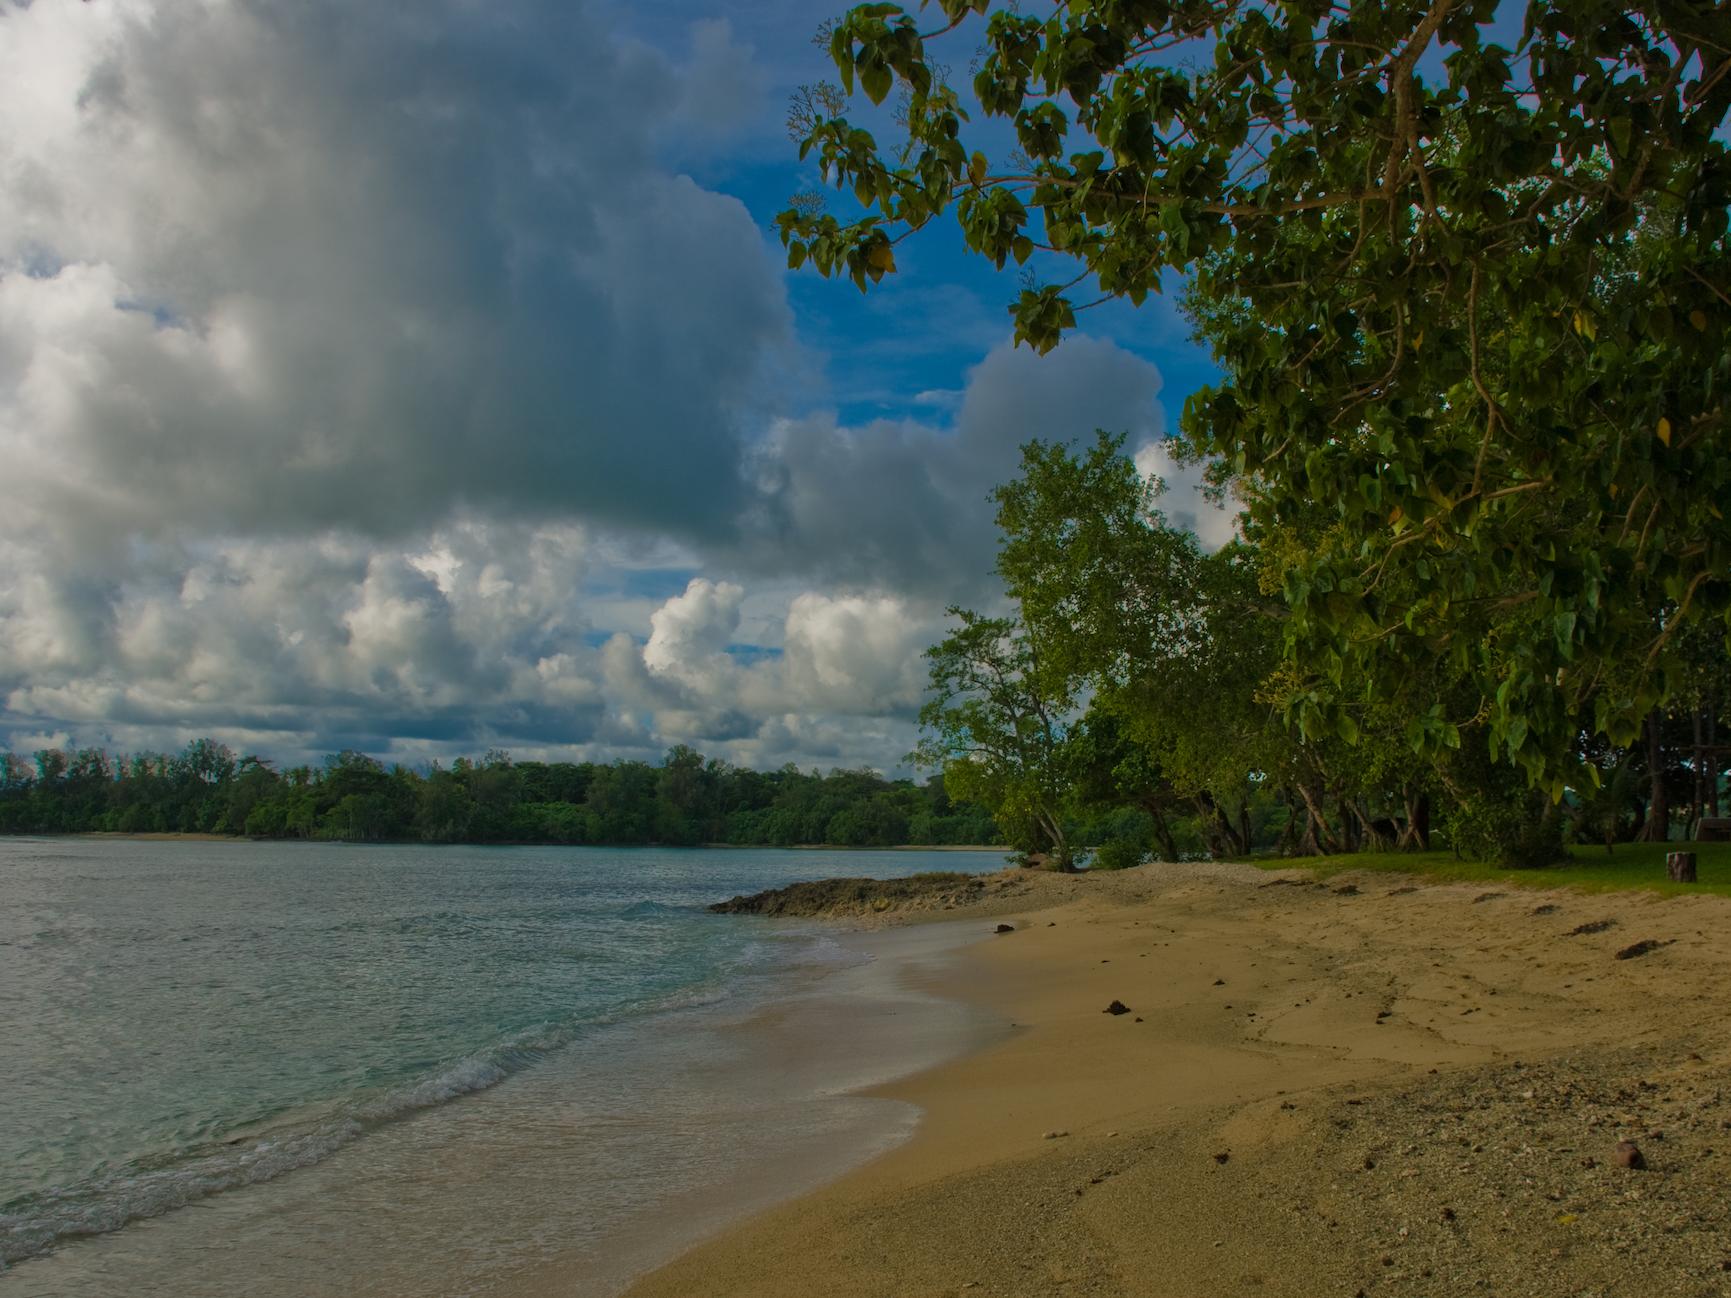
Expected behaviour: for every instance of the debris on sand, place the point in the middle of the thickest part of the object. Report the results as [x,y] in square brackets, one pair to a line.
[1640,948]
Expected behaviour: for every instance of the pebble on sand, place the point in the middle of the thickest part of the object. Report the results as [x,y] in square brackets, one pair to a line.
[1628,1154]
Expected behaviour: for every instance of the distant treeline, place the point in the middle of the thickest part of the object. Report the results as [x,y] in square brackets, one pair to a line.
[686,800]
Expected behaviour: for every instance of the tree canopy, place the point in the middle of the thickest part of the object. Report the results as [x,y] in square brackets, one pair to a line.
[1469,292]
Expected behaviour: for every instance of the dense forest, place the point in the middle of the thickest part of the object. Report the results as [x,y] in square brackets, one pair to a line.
[686,800]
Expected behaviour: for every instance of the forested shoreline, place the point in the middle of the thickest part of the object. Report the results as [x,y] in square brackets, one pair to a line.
[1136,675]
[685,801]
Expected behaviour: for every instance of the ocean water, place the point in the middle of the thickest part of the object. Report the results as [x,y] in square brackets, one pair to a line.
[308,1069]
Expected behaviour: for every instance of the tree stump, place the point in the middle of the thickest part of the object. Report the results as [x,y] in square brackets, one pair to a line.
[1680,866]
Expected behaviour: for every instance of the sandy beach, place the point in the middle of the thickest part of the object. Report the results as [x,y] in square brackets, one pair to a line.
[1373,1086]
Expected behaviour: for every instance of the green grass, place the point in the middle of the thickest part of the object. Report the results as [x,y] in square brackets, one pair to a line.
[1632,866]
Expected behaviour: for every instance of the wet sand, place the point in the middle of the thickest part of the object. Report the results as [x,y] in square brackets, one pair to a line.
[1372,1086]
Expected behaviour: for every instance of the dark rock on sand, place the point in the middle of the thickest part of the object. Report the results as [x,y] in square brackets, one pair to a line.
[1595,926]
[1116,1007]
[1005,928]
[856,896]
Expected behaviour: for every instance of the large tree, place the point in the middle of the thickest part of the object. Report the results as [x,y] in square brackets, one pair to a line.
[1472,296]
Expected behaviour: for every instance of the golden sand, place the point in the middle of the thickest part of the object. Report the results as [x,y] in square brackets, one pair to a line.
[1374,1086]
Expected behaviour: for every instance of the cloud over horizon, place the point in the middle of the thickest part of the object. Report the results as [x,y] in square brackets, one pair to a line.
[378,378]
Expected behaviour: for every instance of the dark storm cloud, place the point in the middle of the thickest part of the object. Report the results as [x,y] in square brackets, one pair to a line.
[356,265]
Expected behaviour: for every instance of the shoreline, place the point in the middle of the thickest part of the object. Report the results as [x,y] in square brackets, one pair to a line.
[1375,1085]
[840,1039]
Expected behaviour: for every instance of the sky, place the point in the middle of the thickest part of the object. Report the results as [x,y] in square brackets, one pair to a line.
[428,379]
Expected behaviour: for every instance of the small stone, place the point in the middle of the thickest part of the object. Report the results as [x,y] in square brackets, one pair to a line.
[1222,1156]
[1116,1007]
[1628,1154]
[1005,928]
[1221,982]
[1054,1135]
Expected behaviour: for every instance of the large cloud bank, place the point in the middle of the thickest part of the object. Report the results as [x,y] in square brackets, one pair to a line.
[370,376]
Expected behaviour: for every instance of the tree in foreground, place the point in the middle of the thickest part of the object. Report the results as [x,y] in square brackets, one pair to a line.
[1470,299]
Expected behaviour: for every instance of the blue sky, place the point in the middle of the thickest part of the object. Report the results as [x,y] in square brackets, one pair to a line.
[472,404]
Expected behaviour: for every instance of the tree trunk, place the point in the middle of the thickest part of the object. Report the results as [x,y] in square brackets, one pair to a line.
[1162,830]
[1244,828]
[1319,839]
[1680,866]
[1415,837]
[1060,846]
[1348,825]
[1658,826]
[1713,758]
[1698,785]
[1210,821]
[1288,845]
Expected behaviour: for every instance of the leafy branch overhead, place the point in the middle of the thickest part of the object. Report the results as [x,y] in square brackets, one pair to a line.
[1470,299]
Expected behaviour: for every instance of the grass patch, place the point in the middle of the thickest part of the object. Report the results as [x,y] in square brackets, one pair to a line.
[1639,866]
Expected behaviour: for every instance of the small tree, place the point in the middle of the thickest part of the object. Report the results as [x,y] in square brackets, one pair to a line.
[1003,729]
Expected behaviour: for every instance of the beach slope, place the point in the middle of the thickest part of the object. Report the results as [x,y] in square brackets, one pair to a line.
[1370,1086]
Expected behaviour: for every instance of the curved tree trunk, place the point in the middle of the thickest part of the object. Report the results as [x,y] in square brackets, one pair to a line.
[1319,839]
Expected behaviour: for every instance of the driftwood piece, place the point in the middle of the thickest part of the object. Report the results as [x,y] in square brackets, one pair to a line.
[1680,866]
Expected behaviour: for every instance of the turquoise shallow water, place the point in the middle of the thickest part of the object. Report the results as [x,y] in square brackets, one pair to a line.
[276,1031]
